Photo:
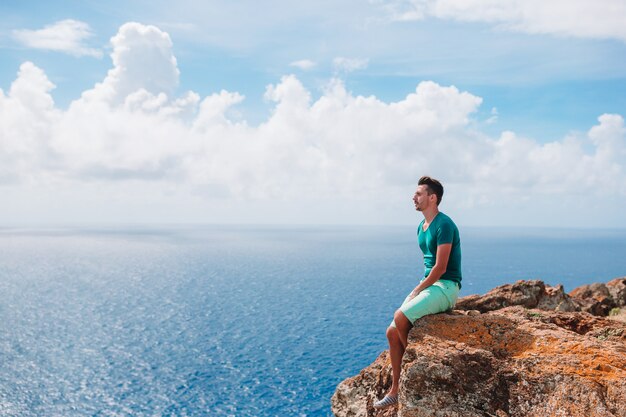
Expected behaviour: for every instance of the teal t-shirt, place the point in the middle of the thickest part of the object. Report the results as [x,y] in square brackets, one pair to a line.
[441,230]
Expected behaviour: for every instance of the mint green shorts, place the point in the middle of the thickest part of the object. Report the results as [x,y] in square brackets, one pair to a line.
[439,297]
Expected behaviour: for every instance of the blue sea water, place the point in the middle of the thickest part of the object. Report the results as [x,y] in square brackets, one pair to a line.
[232,320]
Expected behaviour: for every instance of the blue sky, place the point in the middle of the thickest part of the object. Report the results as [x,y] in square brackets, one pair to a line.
[544,73]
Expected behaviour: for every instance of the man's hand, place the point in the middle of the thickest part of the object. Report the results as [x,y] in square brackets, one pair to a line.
[443,254]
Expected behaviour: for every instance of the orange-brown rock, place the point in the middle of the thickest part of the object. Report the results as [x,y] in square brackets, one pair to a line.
[511,361]
[529,294]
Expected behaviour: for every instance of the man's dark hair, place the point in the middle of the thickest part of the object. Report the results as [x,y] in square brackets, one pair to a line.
[434,187]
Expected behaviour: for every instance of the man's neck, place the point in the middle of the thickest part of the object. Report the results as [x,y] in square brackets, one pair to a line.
[430,214]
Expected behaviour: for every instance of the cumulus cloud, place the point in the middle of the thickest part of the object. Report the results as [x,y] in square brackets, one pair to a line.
[349,64]
[142,60]
[66,36]
[602,19]
[27,114]
[131,129]
[303,64]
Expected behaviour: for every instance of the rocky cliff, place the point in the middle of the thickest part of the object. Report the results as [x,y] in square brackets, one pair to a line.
[523,349]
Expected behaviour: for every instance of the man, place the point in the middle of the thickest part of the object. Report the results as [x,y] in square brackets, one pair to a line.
[438,238]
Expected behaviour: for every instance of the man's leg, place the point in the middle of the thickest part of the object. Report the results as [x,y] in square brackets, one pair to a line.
[397,337]
[430,301]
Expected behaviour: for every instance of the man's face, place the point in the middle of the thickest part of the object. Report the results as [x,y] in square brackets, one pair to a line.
[421,198]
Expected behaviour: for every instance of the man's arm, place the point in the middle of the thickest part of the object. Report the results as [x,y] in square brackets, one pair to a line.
[441,264]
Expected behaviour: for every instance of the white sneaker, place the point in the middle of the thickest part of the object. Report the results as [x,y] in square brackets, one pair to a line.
[388,401]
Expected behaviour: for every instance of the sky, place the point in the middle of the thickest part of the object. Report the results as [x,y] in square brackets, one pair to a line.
[326,112]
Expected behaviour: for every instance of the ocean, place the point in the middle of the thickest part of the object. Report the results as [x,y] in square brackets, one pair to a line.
[232,320]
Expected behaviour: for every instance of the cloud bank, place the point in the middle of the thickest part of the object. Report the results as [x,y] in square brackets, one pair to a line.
[66,36]
[602,19]
[131,132]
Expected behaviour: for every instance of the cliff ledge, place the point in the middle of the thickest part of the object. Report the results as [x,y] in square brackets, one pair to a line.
[523,349]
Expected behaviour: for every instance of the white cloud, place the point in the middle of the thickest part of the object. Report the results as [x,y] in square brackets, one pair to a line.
[349,64]
[142,59]
[66,36]
[130,130]
[303,64]
[609,137]
[602,19]
[27,114]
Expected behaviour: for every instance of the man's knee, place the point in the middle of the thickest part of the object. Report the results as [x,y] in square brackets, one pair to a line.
[401,320]
[392,333]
